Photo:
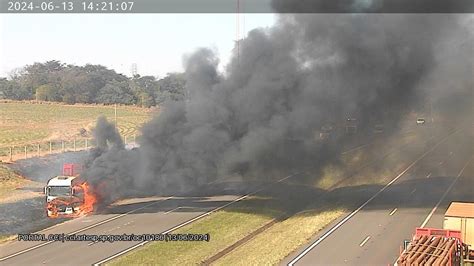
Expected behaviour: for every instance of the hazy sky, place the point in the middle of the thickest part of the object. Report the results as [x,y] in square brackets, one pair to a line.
[155,42]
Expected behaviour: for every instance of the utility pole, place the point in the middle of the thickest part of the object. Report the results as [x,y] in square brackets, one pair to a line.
[115,114]
[134,70]
[431,110]
[238,31]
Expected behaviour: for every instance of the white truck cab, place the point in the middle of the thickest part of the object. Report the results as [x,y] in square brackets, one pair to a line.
[63,195]
[59,186]
[60,189]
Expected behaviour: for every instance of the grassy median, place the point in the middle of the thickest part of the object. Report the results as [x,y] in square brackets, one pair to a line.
[224,227]
[300,210]
[281,239]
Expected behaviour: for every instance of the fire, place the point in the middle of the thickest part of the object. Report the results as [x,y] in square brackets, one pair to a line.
[81,203]
[89,199]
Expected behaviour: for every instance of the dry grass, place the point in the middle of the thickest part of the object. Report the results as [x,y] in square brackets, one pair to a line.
[6,238]
[280,240]
[274,244]
[25,123]
[9,180]
[224,227]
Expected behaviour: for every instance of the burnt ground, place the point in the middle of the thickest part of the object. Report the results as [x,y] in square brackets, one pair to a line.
[23,211]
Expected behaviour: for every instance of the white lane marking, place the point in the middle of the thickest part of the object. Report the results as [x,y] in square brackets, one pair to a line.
[167,231]
[335,227]
[413,191]
[428,176]
[393,211]
[89,227]
[365,241]
[83,229]
[187,222]
[444,195]
[177,208]
[356,148]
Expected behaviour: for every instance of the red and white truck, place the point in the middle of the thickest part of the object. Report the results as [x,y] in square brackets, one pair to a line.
[67,195]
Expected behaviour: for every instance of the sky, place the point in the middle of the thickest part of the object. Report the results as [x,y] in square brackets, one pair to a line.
[156,43]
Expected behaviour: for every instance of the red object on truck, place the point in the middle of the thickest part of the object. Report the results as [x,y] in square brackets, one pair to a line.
[431,246]
[437,232]
[70,169]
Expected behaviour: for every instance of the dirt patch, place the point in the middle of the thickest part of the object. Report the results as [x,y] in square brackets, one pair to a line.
[22,208]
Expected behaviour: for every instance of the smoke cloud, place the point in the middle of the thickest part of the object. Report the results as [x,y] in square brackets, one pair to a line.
[373,6]
[262,116]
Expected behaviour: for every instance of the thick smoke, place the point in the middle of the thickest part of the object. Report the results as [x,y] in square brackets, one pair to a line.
[373,6]
[262,116]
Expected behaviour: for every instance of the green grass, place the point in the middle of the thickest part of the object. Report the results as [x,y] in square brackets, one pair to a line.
[224,227]
[23,123]
[274,244]
[9,181]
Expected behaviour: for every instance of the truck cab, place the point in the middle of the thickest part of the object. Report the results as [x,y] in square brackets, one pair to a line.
[64,194]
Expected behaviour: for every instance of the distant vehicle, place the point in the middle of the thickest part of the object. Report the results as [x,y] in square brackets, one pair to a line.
[351,126]
[325,132]
[420,121]
[378,128]
[131,146]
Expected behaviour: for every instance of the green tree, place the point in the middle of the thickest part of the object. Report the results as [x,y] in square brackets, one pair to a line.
[146,100]
[171,87]
[144,90]
[47,92]
[3,86]
[115,92]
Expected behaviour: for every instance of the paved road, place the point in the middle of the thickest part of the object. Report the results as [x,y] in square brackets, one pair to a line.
[155,216]
[373,235]
[134,216]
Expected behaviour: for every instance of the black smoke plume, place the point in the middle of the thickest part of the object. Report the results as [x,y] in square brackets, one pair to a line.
[373,6]
[262,115]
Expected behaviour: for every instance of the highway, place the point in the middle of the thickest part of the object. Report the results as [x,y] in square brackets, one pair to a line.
[153,217]
[418,196]
[165,214]
[144,216]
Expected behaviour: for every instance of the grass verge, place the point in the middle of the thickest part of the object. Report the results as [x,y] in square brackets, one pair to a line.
[224,227]
[278,241]
[6,238]
[281,239]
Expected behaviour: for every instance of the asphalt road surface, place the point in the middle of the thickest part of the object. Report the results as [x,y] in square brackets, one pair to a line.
[134,216]
[373,234]
[145,216]
[152,217]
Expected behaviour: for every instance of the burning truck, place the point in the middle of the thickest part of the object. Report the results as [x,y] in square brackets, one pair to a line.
[68,195]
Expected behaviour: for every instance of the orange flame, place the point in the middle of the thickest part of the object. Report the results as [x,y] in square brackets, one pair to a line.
[81,205]
[89,200]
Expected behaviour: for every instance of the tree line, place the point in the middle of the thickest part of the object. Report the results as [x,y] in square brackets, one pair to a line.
[57,82]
